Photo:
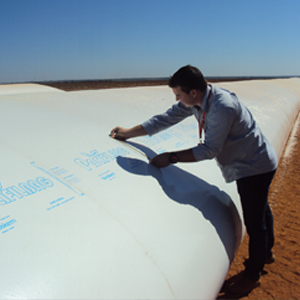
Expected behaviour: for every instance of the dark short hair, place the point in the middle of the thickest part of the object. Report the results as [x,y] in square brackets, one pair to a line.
[188,78]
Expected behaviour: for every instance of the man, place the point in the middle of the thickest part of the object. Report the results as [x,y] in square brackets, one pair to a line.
[233,138]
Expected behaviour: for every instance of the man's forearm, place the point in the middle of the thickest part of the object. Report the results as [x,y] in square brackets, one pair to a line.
[121,133]
[185,155]
[138,130]
[165,159]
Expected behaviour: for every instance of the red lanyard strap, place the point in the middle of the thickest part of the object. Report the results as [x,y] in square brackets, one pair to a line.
[201,124]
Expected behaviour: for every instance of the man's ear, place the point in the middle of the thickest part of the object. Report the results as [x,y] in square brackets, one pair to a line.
[194,93]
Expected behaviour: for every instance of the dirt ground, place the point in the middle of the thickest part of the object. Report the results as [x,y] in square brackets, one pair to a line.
[281,279]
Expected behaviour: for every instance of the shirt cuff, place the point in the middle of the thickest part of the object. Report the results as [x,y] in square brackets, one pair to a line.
[149,127]
[202,152]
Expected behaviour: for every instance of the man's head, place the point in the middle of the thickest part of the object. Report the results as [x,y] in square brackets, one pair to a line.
[188,85]
[188,78]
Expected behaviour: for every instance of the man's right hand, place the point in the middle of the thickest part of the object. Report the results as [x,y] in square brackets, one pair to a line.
[123,134]
[120,133]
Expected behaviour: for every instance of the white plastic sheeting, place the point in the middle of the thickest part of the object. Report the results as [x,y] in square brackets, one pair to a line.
[83,216]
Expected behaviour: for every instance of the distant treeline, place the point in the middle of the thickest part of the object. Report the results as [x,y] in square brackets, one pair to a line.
[73,85]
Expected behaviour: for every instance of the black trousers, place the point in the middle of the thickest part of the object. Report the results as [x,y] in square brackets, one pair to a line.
[253,191]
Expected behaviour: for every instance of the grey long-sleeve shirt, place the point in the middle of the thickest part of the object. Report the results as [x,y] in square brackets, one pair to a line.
[231,134]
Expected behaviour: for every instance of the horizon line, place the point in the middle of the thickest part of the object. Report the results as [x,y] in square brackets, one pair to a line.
[128,79]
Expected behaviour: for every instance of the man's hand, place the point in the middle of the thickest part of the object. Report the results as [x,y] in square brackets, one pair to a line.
[161,160]
[123,134]
[120,133]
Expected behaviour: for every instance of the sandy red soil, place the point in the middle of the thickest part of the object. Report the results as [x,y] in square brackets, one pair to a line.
[281,279]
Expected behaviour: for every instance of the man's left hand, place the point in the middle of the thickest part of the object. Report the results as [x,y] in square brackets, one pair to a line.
[161,160]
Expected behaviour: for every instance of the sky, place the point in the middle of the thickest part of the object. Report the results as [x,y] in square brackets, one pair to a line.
[49,40]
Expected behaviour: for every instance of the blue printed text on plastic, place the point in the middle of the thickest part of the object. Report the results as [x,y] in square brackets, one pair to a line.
[23,189]
[94,159]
